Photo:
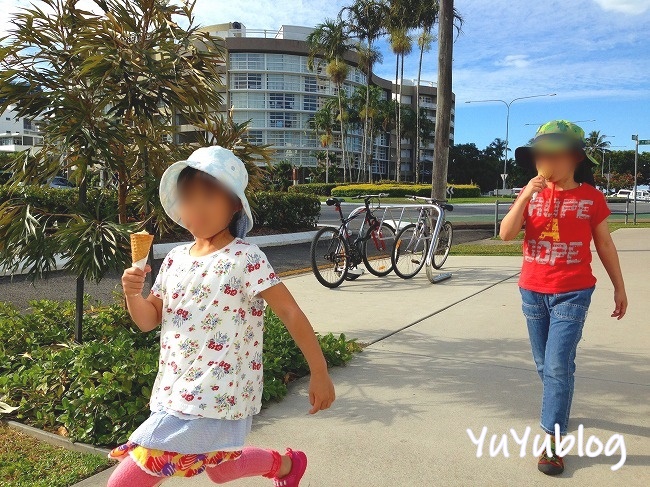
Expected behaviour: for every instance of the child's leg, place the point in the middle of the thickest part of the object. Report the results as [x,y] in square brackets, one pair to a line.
[568,314]
[253,462]
[534,306]
[128,474]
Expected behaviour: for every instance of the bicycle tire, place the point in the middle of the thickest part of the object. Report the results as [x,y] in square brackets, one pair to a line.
[380,262]
[415,256]
[327,263]
[443,245]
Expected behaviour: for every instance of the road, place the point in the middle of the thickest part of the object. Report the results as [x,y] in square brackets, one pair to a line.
[467,213]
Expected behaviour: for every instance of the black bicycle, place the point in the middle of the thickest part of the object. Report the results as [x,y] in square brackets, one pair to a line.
[336,253]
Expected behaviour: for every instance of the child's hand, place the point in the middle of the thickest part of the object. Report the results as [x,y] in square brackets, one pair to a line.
[133,281]
[321,392]
[620,300]
[535,185]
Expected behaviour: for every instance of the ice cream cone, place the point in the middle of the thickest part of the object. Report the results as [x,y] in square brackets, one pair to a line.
[140,246]
[545,172]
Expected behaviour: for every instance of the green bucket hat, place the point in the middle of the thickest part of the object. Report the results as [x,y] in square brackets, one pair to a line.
[555,136]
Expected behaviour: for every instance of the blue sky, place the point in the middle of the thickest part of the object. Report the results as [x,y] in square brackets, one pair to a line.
[595,54]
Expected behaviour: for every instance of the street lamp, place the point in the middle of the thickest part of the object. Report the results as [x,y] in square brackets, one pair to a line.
[609,167]
[507,104]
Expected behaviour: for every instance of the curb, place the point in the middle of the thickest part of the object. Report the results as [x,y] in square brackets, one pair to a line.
[160,250]
[56,440]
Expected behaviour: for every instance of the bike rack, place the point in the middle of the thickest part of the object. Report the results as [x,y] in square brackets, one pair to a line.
[399,210]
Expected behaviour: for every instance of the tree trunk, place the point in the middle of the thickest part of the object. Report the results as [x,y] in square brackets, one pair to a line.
[417,116]
[79,293]
[327,164]
[342,135]
[443,99]
[397,127]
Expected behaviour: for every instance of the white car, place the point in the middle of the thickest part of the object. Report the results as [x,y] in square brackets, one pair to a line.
[641,194]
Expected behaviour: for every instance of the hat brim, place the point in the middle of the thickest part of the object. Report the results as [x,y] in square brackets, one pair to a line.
[169,195]
[525,156]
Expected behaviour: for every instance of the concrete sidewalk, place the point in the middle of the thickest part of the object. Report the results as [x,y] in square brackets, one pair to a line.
[444,358]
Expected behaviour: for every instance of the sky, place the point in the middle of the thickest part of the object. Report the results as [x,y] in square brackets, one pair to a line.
[594,54]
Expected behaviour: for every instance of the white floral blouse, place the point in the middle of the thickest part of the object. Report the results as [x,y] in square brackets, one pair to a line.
[211,334]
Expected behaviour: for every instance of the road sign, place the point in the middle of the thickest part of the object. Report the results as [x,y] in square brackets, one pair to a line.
[504,176]
[644,142]
[450,190]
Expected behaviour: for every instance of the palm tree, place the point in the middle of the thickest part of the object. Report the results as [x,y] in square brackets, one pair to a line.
[427,15]
[366,103]
[386,122]
[329,42]
[365,21]
[399,23]
[323,124]
[595,144]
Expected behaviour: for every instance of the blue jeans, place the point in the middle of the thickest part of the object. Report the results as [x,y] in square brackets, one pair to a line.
[555,324]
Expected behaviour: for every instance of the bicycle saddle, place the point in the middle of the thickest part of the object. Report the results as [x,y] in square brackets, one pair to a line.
[447,207]
[333,201]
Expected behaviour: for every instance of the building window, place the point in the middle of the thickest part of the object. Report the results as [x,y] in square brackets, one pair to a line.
[310,103]
[283,120]
[242,60]
[310,84]
[250,81]
[426,99]
[254,137]
[284,101]
[247,100]
[275,138]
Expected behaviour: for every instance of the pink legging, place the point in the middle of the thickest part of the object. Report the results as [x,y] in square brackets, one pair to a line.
[253,462]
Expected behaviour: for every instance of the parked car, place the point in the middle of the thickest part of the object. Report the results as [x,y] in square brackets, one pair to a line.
[641,194]
[59,182]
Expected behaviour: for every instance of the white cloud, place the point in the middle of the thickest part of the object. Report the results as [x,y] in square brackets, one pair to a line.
[625,6]
[515,60]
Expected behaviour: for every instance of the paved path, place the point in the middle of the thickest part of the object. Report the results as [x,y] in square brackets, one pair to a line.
[452,356]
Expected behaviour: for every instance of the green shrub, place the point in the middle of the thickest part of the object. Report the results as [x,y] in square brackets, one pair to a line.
[318,189]
[286,211]
[99,390]
[396,190]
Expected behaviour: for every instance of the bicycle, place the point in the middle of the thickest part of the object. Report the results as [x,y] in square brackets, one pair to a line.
[335,254]
[413,248]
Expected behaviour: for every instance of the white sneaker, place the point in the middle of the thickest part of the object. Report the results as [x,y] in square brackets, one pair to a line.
[356,271]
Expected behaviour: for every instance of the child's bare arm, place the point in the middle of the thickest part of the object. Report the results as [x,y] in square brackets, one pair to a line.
[609,257]
[321,389]
[146,313]
[514,220]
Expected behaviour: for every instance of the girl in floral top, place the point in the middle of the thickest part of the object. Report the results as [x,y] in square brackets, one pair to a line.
[209,299]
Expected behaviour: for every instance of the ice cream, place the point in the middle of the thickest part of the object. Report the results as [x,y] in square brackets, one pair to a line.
[545,172]
[140,246]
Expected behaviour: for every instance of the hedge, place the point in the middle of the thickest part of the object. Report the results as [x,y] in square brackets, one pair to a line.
[280,211]
[286,211]
[400,190]
[318,189]
[99,390]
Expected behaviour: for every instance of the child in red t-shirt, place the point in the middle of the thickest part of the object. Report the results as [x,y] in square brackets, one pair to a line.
[562,212]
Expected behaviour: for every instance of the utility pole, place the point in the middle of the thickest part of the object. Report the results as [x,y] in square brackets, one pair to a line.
[636,169]
[443,99]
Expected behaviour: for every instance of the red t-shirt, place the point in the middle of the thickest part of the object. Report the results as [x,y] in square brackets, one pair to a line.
[557,241]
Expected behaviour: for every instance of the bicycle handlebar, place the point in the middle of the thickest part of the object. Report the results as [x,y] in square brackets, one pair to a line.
[368,196]
[422,198]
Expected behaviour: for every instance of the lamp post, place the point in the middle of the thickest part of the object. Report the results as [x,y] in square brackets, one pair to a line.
[609,166]
[508,104]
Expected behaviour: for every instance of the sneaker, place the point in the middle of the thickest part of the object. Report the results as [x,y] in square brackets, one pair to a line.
[550,465]
[298,467]
[356,271]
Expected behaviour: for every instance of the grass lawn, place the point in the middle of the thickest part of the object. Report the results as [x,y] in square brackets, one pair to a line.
[27,462]
[514,247]
[454,201]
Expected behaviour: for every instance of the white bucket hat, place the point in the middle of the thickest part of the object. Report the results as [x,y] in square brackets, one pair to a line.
[222,165]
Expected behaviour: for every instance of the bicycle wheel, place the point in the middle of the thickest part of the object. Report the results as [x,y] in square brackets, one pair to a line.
[377,251]
[410,251]
[329,257]
[443,245]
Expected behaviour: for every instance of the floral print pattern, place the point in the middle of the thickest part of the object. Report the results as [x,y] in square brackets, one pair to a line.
[211,334]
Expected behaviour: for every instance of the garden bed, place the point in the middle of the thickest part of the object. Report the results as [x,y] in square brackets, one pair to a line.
[98,392]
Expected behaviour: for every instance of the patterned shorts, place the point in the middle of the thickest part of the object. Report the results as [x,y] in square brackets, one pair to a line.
[163,463]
